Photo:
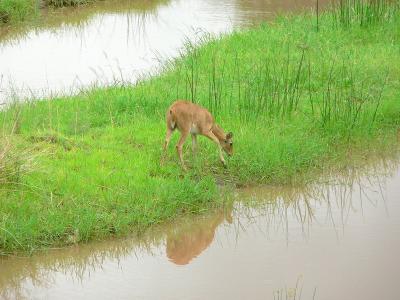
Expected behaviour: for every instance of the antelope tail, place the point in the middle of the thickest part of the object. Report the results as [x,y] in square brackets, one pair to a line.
[172,122]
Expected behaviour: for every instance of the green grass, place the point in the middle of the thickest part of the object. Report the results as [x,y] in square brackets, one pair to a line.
[16,10]
[300,101]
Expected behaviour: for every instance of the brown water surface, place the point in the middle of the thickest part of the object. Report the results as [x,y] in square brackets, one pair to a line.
[333,240]
[116,41]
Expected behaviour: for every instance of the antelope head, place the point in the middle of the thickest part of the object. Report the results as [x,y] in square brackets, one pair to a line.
[227,144]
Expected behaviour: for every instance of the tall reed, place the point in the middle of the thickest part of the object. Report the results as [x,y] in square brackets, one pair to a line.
[280,87]
[363,12]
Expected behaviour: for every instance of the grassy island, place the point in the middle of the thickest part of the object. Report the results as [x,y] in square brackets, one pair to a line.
[300,98]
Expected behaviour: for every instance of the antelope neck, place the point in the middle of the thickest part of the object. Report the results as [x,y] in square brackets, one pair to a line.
[218,132]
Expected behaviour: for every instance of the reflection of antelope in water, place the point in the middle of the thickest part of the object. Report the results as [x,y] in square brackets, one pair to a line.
[189,240]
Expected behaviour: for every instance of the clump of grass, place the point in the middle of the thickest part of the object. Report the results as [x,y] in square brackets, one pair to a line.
[14,163]
[16,10]
[8,164]
[364,12]
[11,163]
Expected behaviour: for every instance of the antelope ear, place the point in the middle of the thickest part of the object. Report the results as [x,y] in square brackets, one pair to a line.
[229,136]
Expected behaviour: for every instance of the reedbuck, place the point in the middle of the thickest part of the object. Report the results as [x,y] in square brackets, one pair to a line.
[190,118]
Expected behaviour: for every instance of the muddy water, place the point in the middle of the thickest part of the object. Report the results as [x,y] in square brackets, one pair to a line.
[335,240]
[116,41]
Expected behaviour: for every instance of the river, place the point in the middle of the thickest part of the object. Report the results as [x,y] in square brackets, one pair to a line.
[115,42]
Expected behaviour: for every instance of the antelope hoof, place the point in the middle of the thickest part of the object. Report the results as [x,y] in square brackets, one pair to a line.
[224,164]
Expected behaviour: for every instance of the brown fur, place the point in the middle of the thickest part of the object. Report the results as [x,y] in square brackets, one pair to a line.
[190,118]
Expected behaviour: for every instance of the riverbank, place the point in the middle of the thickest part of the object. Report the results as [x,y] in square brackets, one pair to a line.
[301,100]
[13,11]
[49,13]
[77,17]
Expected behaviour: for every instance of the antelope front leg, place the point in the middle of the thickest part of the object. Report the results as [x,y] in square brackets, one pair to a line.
[179,148]
[221,156]
[211,136]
